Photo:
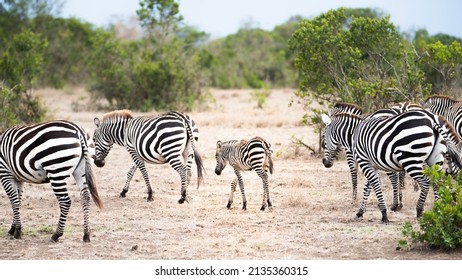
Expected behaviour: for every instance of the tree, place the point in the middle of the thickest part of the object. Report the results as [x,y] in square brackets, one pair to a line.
[164,70]
[20,64]
[361,60]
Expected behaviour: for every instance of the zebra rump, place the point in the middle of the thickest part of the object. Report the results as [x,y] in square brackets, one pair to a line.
[403,142]
[48,152]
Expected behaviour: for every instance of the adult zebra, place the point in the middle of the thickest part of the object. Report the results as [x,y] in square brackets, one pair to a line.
[447,107]
[339,108]
[393,144]
[397,179]
[246,155]
[167,138]
[48,152]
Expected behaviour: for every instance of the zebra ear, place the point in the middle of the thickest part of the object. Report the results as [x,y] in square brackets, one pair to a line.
[97,122]
[326,119]
[219,144]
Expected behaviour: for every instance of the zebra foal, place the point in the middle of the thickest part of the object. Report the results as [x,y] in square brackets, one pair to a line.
[166,138]
[48,152]
[246,155]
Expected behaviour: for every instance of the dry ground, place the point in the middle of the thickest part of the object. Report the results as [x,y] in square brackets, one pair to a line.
[313,217]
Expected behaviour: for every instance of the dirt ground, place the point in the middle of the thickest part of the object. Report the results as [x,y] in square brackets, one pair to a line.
[313,217]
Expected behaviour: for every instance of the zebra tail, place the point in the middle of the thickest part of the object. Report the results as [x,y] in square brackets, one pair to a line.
[92,183]
[268,153]
[197,156]
[453,153]
[200,167]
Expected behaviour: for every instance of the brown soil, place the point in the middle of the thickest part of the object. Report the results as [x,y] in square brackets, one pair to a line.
[313,216]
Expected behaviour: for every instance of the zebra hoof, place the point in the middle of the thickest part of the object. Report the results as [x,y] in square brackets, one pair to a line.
[396,207]
[86,237]
[12,230]
[181,200]
[15,233]
[419,213]
[360,213]
[384,217]
[55,237]
[228,205]
[122,194]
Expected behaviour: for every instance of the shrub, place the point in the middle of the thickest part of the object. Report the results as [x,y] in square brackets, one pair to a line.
[441,227]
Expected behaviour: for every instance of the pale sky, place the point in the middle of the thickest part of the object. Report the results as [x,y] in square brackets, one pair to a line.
[220,18]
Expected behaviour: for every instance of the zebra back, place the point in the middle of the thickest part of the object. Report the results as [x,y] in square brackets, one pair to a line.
[438,104]
[342,107]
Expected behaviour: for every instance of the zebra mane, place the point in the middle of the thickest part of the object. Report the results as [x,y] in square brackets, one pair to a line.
[345,106]
[441,97]
[341,114]
[451,129]
[125,114]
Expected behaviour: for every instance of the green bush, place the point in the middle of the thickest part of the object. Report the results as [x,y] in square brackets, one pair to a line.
[440,227]
[20,64]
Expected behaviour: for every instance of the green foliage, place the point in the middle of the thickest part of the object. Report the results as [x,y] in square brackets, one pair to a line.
[443,65]
[20,63]
[441,227]
[356,59]
[161,71]
[253,58]
[261,95]
[66,58]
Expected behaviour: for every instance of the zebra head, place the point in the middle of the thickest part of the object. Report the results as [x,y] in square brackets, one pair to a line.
[221,160]
[103,143]
[330,144]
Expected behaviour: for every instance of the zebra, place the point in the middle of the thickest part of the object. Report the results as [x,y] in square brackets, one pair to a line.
[246,155]
[397,180]
[338,108]
[402,142]
[48,152]
[448,108]
[166,138]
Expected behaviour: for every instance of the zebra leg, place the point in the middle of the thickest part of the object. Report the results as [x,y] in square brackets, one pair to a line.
[177,164]
[401,181]
[64,202]
[241,186]
[354,174]
[79,175]
[373,180]
[266,199]
[12,190]
[231,195]
[130,174]
[394,179]
[188,156]
[424,184]
[144,172]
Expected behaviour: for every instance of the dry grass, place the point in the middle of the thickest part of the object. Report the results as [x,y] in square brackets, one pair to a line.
[312,217]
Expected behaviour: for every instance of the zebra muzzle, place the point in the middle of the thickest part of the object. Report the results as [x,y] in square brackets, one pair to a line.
[99,163]
[218,172]
[327,163]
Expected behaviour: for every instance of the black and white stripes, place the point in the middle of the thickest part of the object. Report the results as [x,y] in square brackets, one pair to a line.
[48,152]
[246,155]
[400,143]
[166,138]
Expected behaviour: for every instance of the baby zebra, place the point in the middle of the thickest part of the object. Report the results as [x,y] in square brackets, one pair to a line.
[245,155]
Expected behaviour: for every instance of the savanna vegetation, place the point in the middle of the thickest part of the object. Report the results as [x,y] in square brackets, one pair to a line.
[350,55]
[158,62]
